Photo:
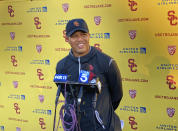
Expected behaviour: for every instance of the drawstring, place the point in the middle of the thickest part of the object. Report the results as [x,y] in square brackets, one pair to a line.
[79,65]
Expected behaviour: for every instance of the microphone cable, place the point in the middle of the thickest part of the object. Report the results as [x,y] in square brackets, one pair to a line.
[69,110]
[56,103]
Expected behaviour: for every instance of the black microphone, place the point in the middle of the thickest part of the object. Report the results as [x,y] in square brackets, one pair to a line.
[80,95]
[83,78]
[58,93]
[93,79]
[58,79]
[97,90]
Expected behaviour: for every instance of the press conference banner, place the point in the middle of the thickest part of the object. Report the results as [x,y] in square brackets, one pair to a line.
[140,35]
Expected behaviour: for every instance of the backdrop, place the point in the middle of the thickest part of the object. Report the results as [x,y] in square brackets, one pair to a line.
[140,35]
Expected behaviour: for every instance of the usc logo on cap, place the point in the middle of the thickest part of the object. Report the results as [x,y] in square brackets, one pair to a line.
[76,23]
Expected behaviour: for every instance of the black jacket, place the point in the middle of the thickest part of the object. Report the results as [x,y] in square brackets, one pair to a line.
[104,67]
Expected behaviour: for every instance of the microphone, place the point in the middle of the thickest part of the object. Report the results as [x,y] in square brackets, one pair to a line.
[89,77]
[93,79]
[98,90]
[98,84]
[59,78]
[83,78]
[58,94]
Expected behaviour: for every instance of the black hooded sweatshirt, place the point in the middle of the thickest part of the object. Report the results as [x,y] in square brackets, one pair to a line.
[103,117]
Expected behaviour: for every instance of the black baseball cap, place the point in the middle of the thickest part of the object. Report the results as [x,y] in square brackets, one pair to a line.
[76,25]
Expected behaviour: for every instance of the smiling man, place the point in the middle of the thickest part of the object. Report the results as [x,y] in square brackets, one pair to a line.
[99,115]
[78,37]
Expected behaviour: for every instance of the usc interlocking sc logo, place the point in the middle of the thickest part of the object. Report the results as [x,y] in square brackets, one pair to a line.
[37,22]
[11,11]
[42,123]
[171,82]
[132,5]
[172,18]
[132,123]
[40,74]
[14,61]
[16,107]
[132,65]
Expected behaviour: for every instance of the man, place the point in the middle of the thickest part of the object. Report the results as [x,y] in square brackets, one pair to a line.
[85,57]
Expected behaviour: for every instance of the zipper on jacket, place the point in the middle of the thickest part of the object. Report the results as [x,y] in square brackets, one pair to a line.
[99,119]
[79,67]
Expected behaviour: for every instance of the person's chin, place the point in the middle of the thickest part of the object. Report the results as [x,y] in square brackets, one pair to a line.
[82,51]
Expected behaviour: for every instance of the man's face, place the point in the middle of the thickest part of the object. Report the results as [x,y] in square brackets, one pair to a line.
[79,41]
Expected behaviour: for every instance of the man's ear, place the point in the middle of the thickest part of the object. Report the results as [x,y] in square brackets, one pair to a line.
[89,35]
[67,39]
[65,36]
